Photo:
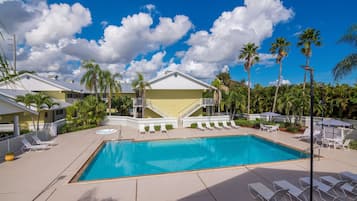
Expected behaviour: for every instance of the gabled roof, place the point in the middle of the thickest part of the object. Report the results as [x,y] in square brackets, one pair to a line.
[50,83]
[178,80]
[13,106]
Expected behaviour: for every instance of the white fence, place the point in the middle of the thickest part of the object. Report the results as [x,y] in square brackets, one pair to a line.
[14,144]
[134,122]
[6,127]
[187,121]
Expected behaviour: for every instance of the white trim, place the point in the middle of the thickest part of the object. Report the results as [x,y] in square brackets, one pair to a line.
[135,122]
[187,121]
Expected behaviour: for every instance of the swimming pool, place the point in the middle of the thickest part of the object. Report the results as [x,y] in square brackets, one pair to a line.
[117,159]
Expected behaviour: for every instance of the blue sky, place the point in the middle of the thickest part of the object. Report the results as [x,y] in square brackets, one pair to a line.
[83,39]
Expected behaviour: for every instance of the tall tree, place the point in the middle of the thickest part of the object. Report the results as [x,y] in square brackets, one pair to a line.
[91,77]
[141,85]
[349,63]
[217,96]
[280,47]
[109,85]
[250,55]
[42,101]
[27,100]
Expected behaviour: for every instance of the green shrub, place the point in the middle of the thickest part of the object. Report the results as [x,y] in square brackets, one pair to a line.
[71,128]
[353,144]
[157,128]
[194,125]
[169,126]
[247,123]
[293,129]
[146,128]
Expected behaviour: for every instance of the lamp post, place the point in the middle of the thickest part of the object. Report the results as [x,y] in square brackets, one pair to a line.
[311,70]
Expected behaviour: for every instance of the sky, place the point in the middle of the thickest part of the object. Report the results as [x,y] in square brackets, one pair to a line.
[201,37]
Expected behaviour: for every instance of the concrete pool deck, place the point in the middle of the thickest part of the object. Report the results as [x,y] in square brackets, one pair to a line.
[45,175]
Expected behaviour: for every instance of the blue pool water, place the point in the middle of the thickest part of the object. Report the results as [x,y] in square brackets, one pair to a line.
[127,158]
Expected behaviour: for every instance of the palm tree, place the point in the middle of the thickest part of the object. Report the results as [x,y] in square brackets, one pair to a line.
[349,63]
[217,96]
[42,101]
[109,85]
[27,100]
[91,77]
[141,85]
[308,38]
[280,47]
[250,55]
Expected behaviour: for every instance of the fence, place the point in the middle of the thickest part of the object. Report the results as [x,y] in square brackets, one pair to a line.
[187,121]
[135,122]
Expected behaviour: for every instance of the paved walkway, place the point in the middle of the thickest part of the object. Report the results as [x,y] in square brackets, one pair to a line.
[45,175]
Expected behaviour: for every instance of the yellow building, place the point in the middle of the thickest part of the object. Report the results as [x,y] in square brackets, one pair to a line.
[173,94]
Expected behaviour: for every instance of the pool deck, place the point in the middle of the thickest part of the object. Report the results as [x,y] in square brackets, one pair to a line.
[45,175]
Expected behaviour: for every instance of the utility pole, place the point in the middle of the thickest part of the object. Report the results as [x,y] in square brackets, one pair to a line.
[14,53]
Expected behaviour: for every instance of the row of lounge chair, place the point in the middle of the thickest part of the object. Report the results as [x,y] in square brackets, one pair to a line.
[152,128]
[40,145]
[216,125]
[326,187]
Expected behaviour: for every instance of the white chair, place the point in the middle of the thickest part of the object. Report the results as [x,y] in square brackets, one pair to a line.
[163,128]
[225,125]
[321,187]
[304,135]
[327,142]
[347,189]
[259,190]
[151,128]
[208,125]
[274,128]
[294,191]
[216,125]
[142,129]
[29,146]
[38,141]
[263,127]
[349,176]
[199,126]
[344,145]
[233,124]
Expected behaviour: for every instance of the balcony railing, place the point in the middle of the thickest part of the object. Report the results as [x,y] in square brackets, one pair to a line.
[207,102]
[138,102]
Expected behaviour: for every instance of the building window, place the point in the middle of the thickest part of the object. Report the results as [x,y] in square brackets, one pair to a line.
[60,112]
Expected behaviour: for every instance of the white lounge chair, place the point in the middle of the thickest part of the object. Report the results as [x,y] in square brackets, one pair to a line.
[225,125]
[348,189]
[199,126]
[216,125]
[151,128]
[38,141]
[321,187]
[208,126]
[263,127]
[29,146]
[274,128]
[351,177]
[304,135]
[342,144]
[233,124]
[142,129]
[294,191]
[163,128]
[259,190]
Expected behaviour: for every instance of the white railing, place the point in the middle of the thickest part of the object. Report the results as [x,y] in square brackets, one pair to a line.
[187,121]
[207,101]
[6,127]
[155,109]
[135,122]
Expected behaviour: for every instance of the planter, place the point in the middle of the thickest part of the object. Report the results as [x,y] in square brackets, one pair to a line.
[9,157]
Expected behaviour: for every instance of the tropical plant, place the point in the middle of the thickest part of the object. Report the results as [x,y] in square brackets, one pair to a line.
[280,47]
[109,85]
[91,78]
[349,63]
[250,55]
[27,100]
[140,85]
[123,104]
[42,101]
[217,95]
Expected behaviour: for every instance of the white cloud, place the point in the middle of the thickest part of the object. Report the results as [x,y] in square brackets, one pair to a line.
[104,23]
[135,36]
[58,22]
[253,22]
[150,7]
[282,82]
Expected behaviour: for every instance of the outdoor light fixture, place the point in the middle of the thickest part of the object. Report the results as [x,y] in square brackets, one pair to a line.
[311,70]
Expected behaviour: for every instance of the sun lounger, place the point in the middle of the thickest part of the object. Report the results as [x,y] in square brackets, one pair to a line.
[199,126]
[151,128]
[225,125]
[340,144]
[349,176]
[208,126]
[142,129]
[216,125]
[274,128]
[348,189]
[163,128]
[233,124]
[29,146]
[294,191]
[321,187]
[259,190]
[38,141]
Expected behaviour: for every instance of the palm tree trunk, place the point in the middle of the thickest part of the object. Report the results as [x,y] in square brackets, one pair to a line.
[303,89]
[38,120]
[143,104]
[110,103]
[248,108]
[33,122]
[278,85]
[219,100]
